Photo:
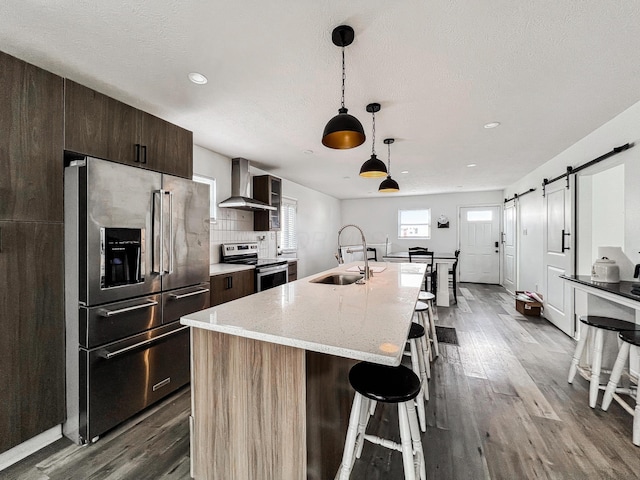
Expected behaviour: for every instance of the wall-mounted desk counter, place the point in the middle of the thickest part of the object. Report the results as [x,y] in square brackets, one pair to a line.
[610,300]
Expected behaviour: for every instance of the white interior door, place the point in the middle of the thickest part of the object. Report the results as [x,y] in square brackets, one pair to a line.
[509,246]
[479,260]
[558,244]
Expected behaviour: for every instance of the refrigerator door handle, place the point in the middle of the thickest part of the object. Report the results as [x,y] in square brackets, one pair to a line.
[171,235]
[190,294]
[105,312]
[158,233]
[109,355]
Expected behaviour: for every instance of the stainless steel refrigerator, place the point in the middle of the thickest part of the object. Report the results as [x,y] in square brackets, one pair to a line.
[136,260]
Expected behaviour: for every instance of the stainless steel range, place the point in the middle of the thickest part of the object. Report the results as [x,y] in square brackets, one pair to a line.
[270,272]
[136,260]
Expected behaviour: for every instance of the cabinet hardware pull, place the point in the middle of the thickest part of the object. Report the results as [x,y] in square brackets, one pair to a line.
[137,153]
[108,355]
[190,294]
[144,154]
[110,313]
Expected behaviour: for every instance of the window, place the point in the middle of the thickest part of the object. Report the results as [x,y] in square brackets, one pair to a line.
[212,194]
[289,234]
[479,215]
[414,223]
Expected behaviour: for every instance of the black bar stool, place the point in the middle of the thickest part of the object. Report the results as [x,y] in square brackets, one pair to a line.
[595,326]
[381,383]
[630,338]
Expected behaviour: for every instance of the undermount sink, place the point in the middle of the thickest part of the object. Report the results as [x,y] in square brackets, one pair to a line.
[337,279]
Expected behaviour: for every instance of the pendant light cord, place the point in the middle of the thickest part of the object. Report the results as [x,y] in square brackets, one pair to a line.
[343,77]
[389,159]
[373,131]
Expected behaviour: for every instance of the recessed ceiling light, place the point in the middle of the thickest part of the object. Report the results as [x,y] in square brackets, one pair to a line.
[308,152]
[491,125]
[198,78]
[346,178]
[458,186]
[471,165]
[404,171]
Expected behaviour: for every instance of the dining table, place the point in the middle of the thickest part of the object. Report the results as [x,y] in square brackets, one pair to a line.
[443,262]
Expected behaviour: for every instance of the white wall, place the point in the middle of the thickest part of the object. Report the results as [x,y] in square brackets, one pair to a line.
[318,217]
[378,217]
[622,129]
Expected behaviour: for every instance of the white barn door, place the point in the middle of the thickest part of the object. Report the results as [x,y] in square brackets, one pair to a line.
[558,244]
[509,246]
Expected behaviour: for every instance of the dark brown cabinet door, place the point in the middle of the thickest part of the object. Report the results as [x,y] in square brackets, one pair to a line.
[100,126]
[229,286]
[267,189]
[293,271]
[30,142]
[169,148]
[32,365]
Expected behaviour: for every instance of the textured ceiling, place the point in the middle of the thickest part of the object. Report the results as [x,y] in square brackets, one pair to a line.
[550,71]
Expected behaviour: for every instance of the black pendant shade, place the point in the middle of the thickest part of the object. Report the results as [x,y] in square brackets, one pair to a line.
[343,130]
[389,185]
[373,168]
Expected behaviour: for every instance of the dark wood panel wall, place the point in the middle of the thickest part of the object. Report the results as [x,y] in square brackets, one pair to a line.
[41,115]
[31,251]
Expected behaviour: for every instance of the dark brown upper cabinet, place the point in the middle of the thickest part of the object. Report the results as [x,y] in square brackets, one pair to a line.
[101,126]
[268,189]
[31,134]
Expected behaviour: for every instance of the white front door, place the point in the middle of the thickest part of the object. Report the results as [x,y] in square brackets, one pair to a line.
[479,260]
[558,244]
[509,247]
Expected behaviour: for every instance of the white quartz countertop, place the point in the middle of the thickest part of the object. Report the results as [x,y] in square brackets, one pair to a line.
[367,322]
[220,268]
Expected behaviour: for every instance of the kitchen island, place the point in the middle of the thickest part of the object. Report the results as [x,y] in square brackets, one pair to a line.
[270,397]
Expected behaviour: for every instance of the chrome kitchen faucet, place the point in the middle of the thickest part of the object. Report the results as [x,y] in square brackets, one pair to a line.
[367,272]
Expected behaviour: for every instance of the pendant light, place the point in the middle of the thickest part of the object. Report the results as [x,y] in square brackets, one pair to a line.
[374,167]
[343,130]
[389,185]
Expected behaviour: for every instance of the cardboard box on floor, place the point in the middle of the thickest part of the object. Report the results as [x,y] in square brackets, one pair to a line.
[530,308]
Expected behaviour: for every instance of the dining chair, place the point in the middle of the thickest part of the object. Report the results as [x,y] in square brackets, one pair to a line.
[423,255]
[453,274]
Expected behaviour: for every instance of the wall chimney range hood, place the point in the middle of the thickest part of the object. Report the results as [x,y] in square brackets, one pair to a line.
[241,189]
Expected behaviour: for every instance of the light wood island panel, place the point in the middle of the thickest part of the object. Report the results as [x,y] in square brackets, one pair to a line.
[243,391]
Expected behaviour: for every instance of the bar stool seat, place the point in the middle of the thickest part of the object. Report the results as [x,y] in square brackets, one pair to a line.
[381,383]
[595,325]
[630,338]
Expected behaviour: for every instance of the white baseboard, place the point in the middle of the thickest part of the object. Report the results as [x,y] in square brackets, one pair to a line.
[32,445]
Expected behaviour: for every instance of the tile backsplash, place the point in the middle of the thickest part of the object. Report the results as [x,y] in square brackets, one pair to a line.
[237,226]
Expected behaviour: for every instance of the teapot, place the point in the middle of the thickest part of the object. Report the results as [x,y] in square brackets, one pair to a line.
[605,271]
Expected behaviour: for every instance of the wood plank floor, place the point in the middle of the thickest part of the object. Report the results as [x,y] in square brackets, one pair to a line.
[500,408]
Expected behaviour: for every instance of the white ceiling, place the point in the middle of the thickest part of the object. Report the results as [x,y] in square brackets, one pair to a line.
[550,71]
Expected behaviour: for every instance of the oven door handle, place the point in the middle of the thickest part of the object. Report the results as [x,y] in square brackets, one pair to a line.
[109,355]
[276,269]
[110,313]
[190,294]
